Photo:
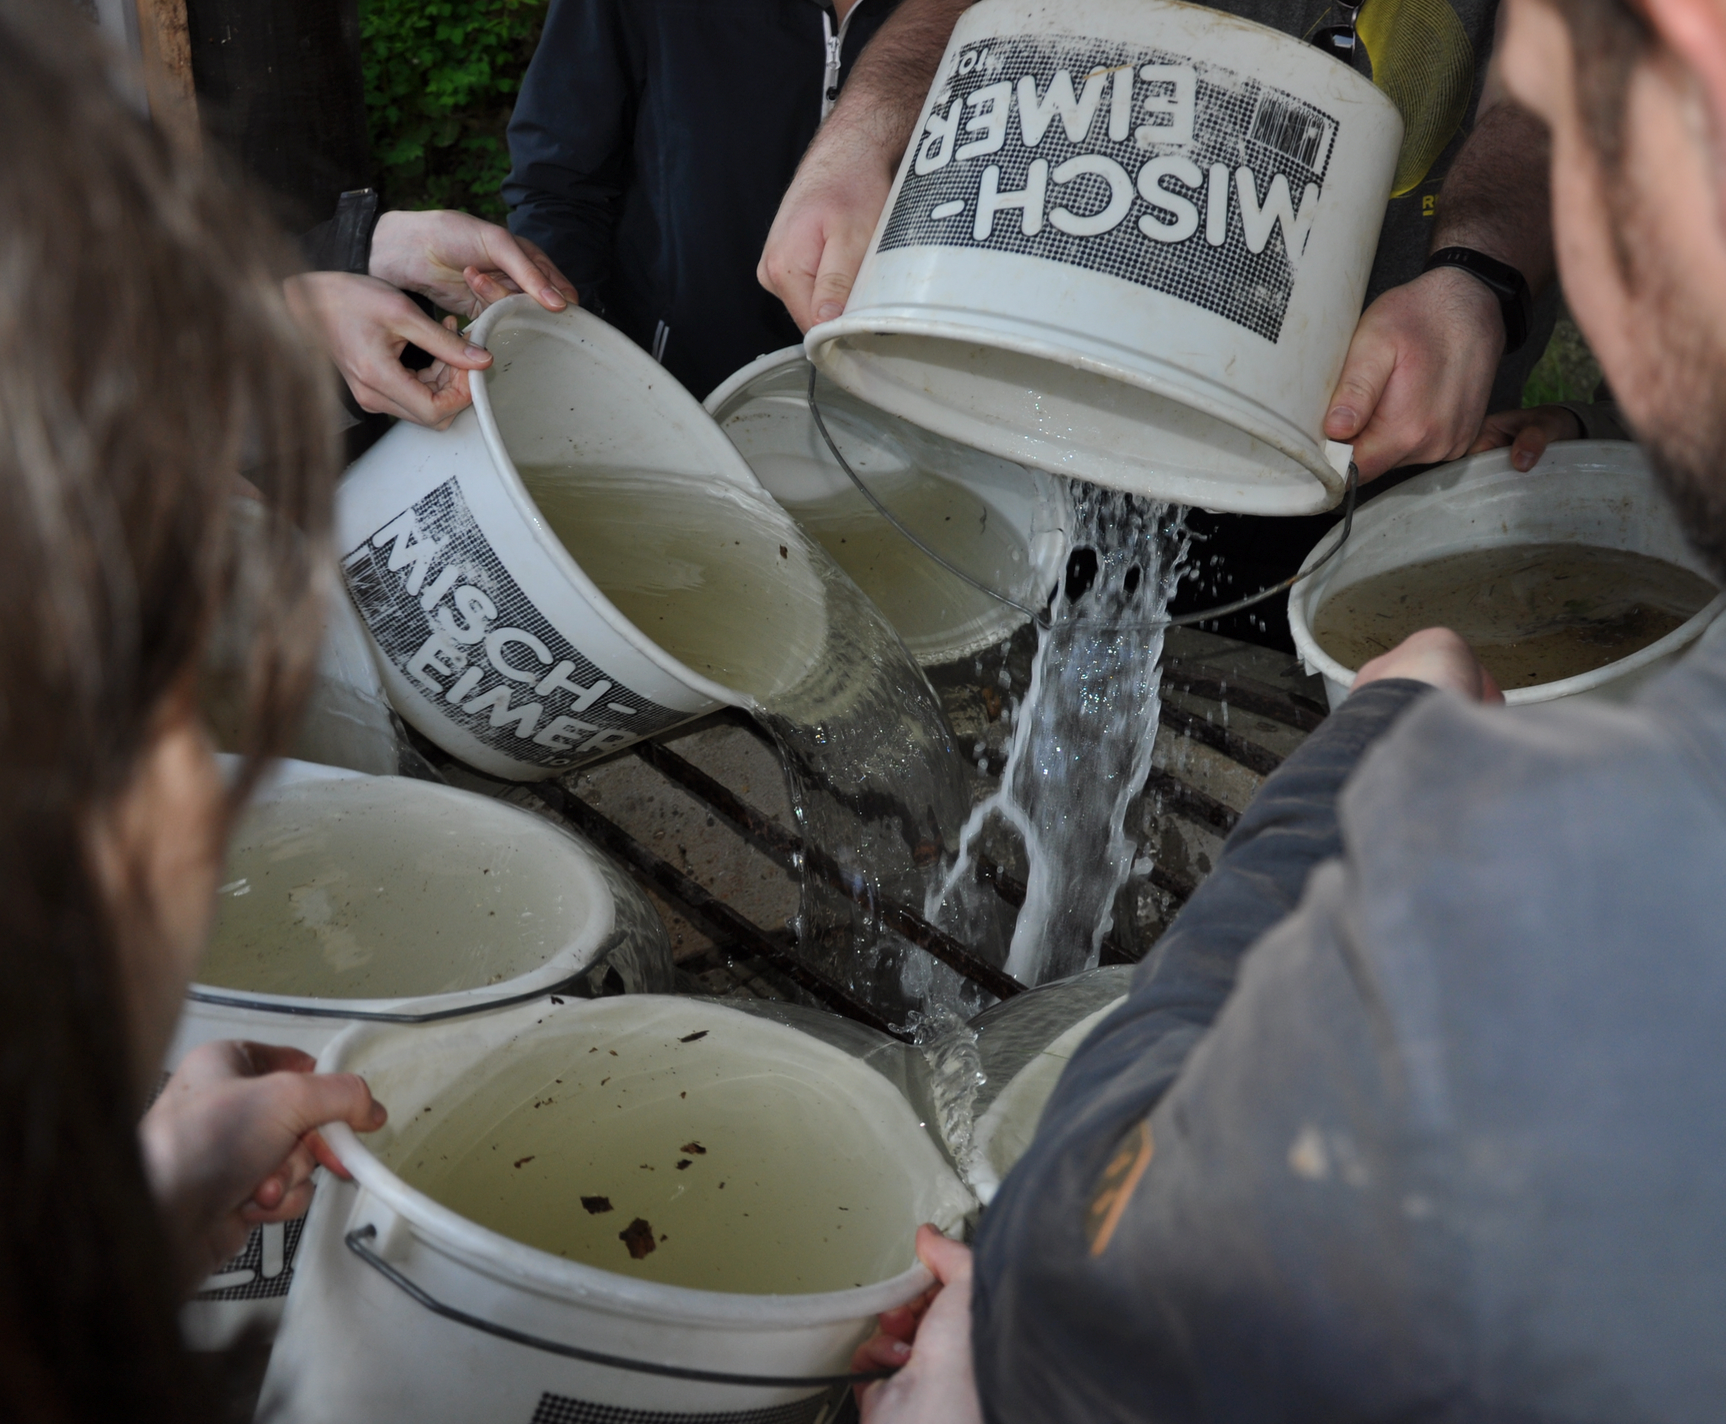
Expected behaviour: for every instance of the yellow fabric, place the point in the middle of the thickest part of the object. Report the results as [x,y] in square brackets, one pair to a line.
[1423,61]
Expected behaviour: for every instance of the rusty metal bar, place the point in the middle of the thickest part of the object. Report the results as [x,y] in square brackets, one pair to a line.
[1249,694]
[1190,802]
[784,846]
[714,916]
[1231,744]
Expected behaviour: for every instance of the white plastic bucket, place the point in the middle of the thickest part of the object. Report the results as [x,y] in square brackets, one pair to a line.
[608,939]
[554,675]
[1086,263]
[1011,535]
[1597,492]
[356,1344]
[1024,1044]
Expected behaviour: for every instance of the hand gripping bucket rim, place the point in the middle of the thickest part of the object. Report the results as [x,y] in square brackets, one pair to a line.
[512,1262]
[1171,357]
[1481,476]
[522,310]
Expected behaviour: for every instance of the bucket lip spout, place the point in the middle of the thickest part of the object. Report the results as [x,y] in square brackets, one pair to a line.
[1484,471]
[558,969]
[479,1248]
[1311,482]
[578,327]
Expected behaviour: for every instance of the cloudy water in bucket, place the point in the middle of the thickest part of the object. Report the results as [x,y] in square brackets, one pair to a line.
[1082,740]
[1533,613]
[916,594]
[730,586]
[358,888]
[653,1160]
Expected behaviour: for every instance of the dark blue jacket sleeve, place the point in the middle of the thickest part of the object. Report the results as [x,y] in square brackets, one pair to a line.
[570,139]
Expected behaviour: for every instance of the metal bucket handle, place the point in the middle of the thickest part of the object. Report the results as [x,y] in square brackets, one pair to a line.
[1041,617]
[356,1242]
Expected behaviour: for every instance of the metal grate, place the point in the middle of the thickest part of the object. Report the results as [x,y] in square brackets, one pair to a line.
[700,818]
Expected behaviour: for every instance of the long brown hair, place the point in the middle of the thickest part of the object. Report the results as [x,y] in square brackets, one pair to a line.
[146,359]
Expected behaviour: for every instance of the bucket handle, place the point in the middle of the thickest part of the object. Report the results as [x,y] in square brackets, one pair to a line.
[356,1242]
[567,987]
[1042,617]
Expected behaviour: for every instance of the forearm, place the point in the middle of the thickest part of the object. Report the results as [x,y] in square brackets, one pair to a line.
[885,91]
[1290,828]
[1496,198]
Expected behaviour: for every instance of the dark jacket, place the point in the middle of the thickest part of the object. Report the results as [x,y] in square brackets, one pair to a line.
[1419,1110]
[652,142]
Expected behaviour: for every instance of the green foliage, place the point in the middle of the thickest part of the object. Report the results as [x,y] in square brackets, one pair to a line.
[441,78]
[1566,370]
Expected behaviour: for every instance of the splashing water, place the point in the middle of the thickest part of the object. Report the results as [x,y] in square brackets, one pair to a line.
[949,1047]
[1082,742]
[730,586]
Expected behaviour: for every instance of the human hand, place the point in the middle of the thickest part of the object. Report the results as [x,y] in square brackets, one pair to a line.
[463,263]
[826,221]
[1419,372]
[1527,432]
[1437,656]
[929,1342]
[232,1142]
[364,325]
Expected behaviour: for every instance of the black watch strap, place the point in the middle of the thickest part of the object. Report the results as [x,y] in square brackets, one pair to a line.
[1499,278]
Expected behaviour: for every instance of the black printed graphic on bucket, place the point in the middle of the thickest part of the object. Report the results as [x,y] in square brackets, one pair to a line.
[446,612]
[1173,173]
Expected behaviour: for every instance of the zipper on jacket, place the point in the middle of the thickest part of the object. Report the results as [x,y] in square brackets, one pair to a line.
[834,54]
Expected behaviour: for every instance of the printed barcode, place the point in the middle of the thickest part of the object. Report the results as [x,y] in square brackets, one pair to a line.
[1292,129]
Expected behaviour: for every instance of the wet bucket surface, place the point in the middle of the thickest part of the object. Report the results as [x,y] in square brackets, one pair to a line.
[332,929]
[491,637]
[1001,523]
[1597,493]
[1128,242]
[354,1343]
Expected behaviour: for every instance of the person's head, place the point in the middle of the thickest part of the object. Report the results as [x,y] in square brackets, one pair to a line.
[146,362]
[1635,96]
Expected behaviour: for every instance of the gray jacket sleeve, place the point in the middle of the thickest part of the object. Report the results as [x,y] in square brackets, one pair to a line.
[1034,1246]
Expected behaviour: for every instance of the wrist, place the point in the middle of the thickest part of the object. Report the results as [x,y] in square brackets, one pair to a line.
[1502,282]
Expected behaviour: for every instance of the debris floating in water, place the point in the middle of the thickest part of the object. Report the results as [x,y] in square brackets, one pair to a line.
[596,1205]
[638,1236]
[691,1037]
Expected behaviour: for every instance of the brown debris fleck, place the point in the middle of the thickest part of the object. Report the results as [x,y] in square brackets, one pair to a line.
[638,1236]
[522,1161]
[596,1205]
[682,1162]
[694,1148]
[691,1037]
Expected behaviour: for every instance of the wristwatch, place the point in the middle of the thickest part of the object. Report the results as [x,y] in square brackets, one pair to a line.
[1499,278]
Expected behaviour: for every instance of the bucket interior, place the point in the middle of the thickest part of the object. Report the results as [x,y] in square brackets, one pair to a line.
[628,476]
[1190,447]
[981,513]
[1588,495]
[357,887]
[665,1140]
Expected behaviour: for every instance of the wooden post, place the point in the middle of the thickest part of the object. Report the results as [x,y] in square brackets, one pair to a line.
[167,55]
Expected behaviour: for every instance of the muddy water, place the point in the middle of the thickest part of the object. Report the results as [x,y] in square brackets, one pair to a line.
[1533,613]
[692,1163]
[359,889]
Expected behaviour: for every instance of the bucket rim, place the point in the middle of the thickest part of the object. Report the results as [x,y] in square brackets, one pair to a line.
[561,968]
[576,326]
[1618,456]
[1044,568]
[1085,352]
[503,1259]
